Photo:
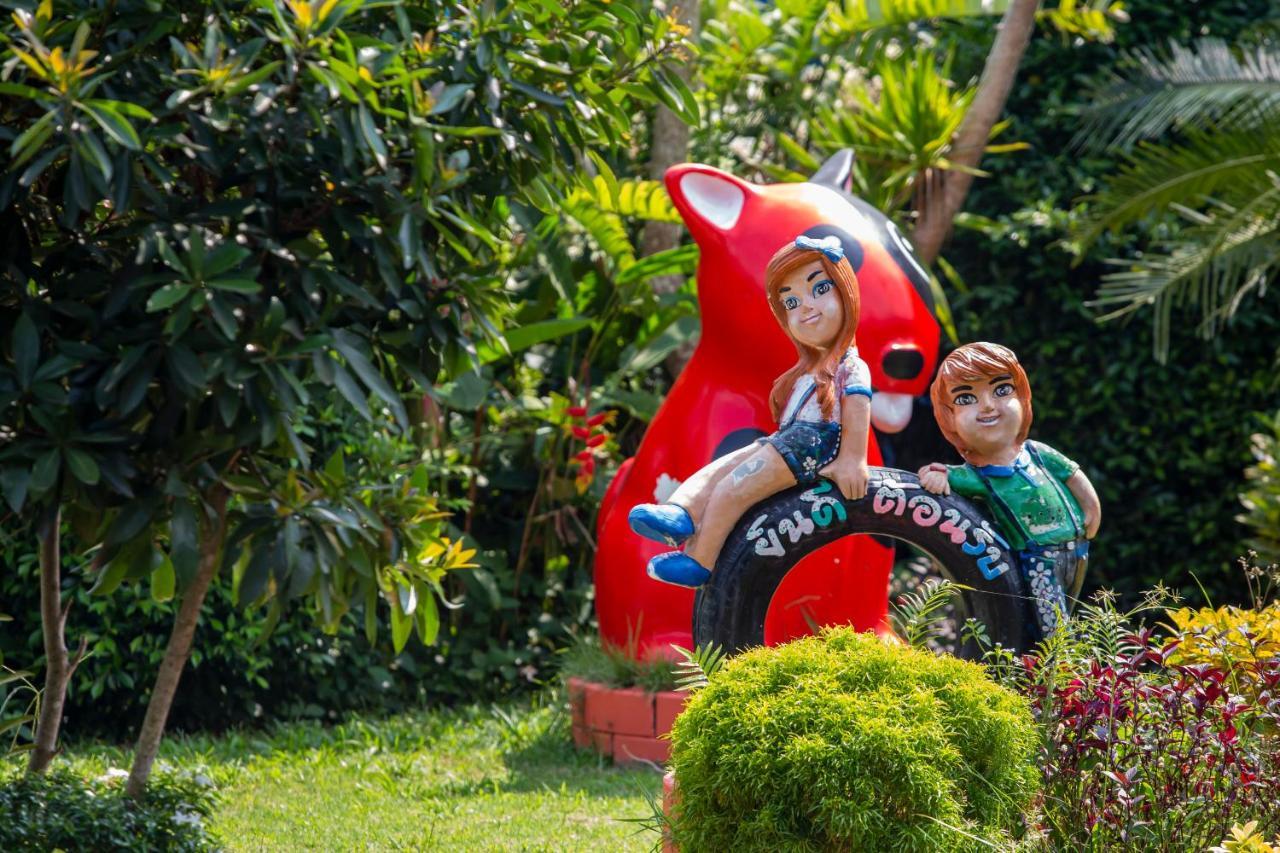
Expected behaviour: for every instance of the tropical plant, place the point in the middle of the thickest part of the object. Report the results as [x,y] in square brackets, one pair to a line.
[1199,130]
[246,214]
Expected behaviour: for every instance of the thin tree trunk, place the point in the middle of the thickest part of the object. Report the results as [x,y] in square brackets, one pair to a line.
[1012,36]
[669,146]
[179,648]
[53,621]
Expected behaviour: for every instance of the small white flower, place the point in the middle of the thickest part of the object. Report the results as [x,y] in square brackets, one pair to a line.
[113,774]
[203,780]
[187,818]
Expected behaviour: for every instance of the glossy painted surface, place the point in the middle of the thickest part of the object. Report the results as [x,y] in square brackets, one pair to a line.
[720,402]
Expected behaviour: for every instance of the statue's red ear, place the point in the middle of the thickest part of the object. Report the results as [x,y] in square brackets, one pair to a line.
[710,201]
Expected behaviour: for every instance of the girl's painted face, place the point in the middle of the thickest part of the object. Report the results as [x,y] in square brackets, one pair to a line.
[988,413]
[811,306]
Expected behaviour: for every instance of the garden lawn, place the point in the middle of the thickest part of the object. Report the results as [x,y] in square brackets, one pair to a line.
[481,778]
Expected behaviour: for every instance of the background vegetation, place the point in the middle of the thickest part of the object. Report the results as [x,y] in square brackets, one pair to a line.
[521,448]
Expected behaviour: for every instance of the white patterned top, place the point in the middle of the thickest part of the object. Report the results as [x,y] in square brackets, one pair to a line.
[852,377]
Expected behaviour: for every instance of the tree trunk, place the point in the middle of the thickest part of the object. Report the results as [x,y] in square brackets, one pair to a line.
[944,202]
[179,647]
[669,146]
[53,621]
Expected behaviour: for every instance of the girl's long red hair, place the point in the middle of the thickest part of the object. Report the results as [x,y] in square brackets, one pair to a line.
[822,363]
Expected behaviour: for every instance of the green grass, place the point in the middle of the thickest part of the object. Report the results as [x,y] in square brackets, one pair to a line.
[480,778]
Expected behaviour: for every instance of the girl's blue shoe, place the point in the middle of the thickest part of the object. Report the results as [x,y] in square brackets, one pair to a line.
[667,523]
[677,567]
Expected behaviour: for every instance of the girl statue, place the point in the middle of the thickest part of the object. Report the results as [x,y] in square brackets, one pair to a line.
[822,406]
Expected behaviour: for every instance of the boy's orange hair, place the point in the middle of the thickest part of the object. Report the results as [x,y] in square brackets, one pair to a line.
[812,359]
[971,362]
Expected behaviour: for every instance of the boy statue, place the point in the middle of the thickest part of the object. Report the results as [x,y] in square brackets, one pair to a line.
[1039,499]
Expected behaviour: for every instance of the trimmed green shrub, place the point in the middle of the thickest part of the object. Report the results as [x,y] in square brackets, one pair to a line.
[61,811]
[842,741]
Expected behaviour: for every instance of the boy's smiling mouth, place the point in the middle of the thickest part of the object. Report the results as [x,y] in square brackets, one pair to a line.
[987,420]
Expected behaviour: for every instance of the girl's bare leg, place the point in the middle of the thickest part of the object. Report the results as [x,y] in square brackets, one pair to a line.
[761,474]
[694,492]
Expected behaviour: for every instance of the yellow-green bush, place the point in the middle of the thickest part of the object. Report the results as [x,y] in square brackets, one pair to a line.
[844,742]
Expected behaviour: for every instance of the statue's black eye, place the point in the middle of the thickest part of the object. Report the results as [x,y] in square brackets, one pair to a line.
[903,363]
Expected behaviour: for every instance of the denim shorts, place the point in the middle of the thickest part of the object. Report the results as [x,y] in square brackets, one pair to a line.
[807,447]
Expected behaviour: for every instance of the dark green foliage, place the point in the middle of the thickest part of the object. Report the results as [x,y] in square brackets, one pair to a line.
[845,742]
[1166,445]
[1261,498]
[61,811]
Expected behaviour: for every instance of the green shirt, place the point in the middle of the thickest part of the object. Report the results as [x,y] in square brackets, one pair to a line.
[1032,504]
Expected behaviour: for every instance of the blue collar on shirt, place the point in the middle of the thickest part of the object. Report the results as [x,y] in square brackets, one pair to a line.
[1020,463]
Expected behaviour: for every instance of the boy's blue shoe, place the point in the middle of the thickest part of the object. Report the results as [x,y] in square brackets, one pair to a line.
[677,567]
[667,523]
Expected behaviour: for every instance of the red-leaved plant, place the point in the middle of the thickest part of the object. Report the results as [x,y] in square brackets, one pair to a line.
[1140,753]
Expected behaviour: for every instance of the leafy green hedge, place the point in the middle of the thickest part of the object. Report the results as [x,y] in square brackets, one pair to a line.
[843,742]
[61,811]
[1166,445]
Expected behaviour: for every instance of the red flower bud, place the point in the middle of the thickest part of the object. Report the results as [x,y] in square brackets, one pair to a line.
[582,433]
[577,411]
[596,440]
[596,420]
[583,455]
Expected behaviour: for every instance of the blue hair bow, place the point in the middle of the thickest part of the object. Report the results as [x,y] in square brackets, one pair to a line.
[829,246]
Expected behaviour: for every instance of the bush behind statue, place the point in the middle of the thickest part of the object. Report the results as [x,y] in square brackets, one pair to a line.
[842,741]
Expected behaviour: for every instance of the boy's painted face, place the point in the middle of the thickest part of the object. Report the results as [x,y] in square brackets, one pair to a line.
[811,306]
[988,413]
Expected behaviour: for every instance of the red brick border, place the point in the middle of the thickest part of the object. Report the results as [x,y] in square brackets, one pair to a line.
[625,723]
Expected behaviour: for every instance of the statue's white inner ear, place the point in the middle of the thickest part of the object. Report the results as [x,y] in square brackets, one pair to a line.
[715,199]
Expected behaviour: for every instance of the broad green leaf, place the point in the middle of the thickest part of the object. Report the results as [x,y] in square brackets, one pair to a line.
[26,350]
[162,578]
[183,542]
[535,333]
[428,619]
[14,482]
[115,125]
[45,471]
[347,345]
[82,466]
[168,296]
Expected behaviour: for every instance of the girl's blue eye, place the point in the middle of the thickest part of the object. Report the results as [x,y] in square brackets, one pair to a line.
[821,288]
[1004,390]
[965,400]
[791,302]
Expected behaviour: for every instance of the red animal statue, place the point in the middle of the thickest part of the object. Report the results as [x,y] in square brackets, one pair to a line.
[720,401]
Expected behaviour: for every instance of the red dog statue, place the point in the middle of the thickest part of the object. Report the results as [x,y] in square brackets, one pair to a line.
[719,403]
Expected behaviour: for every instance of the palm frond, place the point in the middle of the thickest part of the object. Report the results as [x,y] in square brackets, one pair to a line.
[917,615]
[1158,176]
[1214,264]
[694,672]
[1190,87]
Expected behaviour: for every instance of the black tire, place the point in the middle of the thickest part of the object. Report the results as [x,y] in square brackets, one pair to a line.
[730,609]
